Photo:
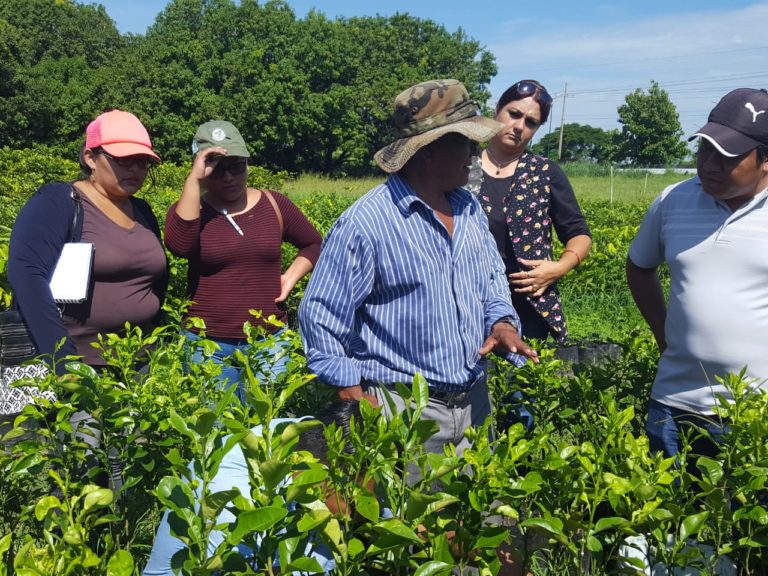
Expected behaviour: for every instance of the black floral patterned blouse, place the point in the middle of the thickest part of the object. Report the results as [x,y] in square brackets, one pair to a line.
[522,210]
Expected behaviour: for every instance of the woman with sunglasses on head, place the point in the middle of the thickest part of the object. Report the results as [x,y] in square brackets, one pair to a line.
[524,195]
[232,236]
[129,271]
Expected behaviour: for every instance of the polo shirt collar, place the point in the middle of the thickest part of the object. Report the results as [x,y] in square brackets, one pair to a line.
[754,201]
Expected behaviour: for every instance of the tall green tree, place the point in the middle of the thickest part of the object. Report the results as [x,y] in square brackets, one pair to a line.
[581,143]
[309,95]
[651,132]
[51,51]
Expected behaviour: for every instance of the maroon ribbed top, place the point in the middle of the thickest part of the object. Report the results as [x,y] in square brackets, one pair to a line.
[230,274]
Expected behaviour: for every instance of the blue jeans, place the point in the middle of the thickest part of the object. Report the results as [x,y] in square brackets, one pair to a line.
[666,424]
[231,375]
[519,411]
[232,473]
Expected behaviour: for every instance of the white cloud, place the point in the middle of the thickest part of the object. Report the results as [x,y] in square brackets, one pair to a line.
[697,57]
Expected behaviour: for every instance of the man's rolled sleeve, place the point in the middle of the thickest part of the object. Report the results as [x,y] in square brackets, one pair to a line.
[339,284]
[498,305]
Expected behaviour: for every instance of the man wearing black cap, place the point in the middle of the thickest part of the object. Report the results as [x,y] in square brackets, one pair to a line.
[712,231]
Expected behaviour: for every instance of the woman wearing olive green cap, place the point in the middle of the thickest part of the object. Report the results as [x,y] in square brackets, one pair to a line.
[232,236]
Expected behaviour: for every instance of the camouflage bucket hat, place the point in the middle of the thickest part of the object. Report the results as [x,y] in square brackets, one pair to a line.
[427,111]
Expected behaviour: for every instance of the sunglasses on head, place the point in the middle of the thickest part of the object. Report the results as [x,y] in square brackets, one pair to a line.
[143,162]
[235,168]
[526,88]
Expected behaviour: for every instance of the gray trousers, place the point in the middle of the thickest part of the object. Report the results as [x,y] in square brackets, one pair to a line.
[452,418]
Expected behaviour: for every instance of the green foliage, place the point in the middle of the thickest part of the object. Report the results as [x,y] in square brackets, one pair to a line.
[309,95]
[574,487]
[651,132]
[57,54]
[581,143]
[24,171]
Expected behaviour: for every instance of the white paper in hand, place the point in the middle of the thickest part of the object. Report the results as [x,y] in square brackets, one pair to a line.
[72,276]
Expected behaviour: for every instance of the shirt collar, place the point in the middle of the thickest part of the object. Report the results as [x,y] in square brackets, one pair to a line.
[404,197]
[747,206]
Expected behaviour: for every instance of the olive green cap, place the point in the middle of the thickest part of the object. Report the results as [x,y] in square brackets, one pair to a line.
[220,133]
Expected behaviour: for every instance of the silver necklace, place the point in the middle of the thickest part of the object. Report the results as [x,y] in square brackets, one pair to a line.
[500,165]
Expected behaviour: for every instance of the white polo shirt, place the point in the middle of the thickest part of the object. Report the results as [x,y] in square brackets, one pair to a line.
[717,316]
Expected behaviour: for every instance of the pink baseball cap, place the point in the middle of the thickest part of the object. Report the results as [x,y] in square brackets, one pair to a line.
[120,134]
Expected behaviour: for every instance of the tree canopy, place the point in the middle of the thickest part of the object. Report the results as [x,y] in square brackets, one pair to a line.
[309,95]
[49,54]
[581,143]
[651,132]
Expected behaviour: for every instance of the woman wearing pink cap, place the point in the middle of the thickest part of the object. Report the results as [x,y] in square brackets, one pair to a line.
[129,269]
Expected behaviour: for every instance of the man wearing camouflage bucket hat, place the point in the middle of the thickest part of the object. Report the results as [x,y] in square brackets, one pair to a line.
[409,280]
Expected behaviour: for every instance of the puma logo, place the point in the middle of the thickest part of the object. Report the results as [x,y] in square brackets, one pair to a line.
[755,113]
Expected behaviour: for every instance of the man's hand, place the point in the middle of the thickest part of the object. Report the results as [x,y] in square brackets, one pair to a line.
[504,338]
[645,287]
[356,393]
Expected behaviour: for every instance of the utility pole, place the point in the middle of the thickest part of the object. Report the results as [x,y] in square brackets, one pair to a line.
[562,120]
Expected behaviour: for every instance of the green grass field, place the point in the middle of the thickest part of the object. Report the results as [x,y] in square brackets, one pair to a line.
[627,188]
[631,187]
[595,297]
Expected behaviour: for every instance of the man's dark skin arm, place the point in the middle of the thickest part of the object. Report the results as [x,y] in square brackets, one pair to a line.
[645,286]
[356,393]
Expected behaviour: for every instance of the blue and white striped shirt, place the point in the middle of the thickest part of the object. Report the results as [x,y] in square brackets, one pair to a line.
[393,294]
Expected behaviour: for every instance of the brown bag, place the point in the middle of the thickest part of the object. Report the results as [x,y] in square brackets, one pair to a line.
[279,214]
[292,319]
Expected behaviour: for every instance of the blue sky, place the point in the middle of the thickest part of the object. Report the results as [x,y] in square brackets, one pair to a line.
[696,50]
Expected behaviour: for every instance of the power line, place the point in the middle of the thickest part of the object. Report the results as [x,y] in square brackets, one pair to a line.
[698,93]
[657,59]
[676,83]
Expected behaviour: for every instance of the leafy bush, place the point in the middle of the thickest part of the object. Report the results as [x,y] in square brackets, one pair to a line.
[566,494]
[575,487]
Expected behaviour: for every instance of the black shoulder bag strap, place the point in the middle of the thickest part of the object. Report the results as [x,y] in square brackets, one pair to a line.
[76,229]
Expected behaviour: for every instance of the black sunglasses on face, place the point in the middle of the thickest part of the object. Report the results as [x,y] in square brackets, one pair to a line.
[143,162]
[456,139]
[525,89]
[234,168]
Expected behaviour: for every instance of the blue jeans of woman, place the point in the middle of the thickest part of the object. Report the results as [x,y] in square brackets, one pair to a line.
[277,359]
